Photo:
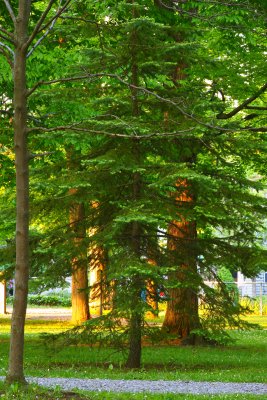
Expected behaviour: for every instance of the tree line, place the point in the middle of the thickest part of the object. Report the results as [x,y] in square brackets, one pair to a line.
[133,141]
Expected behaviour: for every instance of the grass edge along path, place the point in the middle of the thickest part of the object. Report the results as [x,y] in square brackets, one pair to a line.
[33,392]
[149,386]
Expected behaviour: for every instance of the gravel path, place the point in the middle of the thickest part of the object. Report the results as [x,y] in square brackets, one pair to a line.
[135,386]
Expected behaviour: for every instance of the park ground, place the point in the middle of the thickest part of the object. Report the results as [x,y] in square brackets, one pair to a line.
[243,360]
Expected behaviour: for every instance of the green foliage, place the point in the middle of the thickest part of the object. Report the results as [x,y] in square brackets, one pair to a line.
[49,300]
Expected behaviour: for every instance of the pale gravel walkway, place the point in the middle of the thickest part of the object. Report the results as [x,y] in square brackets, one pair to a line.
[135,386]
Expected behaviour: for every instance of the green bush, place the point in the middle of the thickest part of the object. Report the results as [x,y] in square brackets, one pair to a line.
[49,300]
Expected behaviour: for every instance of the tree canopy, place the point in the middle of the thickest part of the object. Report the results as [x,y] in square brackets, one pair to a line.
[149,118]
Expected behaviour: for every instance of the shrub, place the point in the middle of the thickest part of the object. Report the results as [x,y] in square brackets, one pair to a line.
[49,300]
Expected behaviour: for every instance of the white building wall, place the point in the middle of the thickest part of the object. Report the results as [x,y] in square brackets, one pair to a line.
[251,287]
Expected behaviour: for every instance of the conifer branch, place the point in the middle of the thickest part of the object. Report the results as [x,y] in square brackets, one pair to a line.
[131,86]
[157,96]
[10,11]
[176,6]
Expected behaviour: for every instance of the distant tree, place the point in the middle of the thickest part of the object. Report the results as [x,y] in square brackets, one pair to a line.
[194,147]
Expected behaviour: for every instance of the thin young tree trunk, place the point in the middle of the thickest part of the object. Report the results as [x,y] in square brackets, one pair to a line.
[15,368]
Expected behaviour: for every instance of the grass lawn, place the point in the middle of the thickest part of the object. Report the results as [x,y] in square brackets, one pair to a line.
[245,360]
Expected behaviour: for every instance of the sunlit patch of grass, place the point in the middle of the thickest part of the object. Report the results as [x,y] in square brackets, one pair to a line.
[35,326]
[257,319]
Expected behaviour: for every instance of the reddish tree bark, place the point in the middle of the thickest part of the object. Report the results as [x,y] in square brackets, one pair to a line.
[182,309]
[79,289]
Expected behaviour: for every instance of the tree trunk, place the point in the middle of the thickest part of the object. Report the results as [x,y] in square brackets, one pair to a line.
[15,368]
[152,294]
[135,336]
[79,292]
[98,282]
[79,295]
[135,323]
[182,308]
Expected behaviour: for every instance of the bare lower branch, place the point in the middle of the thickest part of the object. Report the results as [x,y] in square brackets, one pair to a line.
[255,129]
[90,21]
[39,23]
[8,48]
[56,16]
[41,38]
[48,26]
[9,36]
[10,10]
[5,38]
[256,108]
[37,155]
[60,80]
[76,128]
[244,104]
[7,57]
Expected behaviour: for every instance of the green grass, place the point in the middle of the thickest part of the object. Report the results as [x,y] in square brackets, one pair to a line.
[243,361]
